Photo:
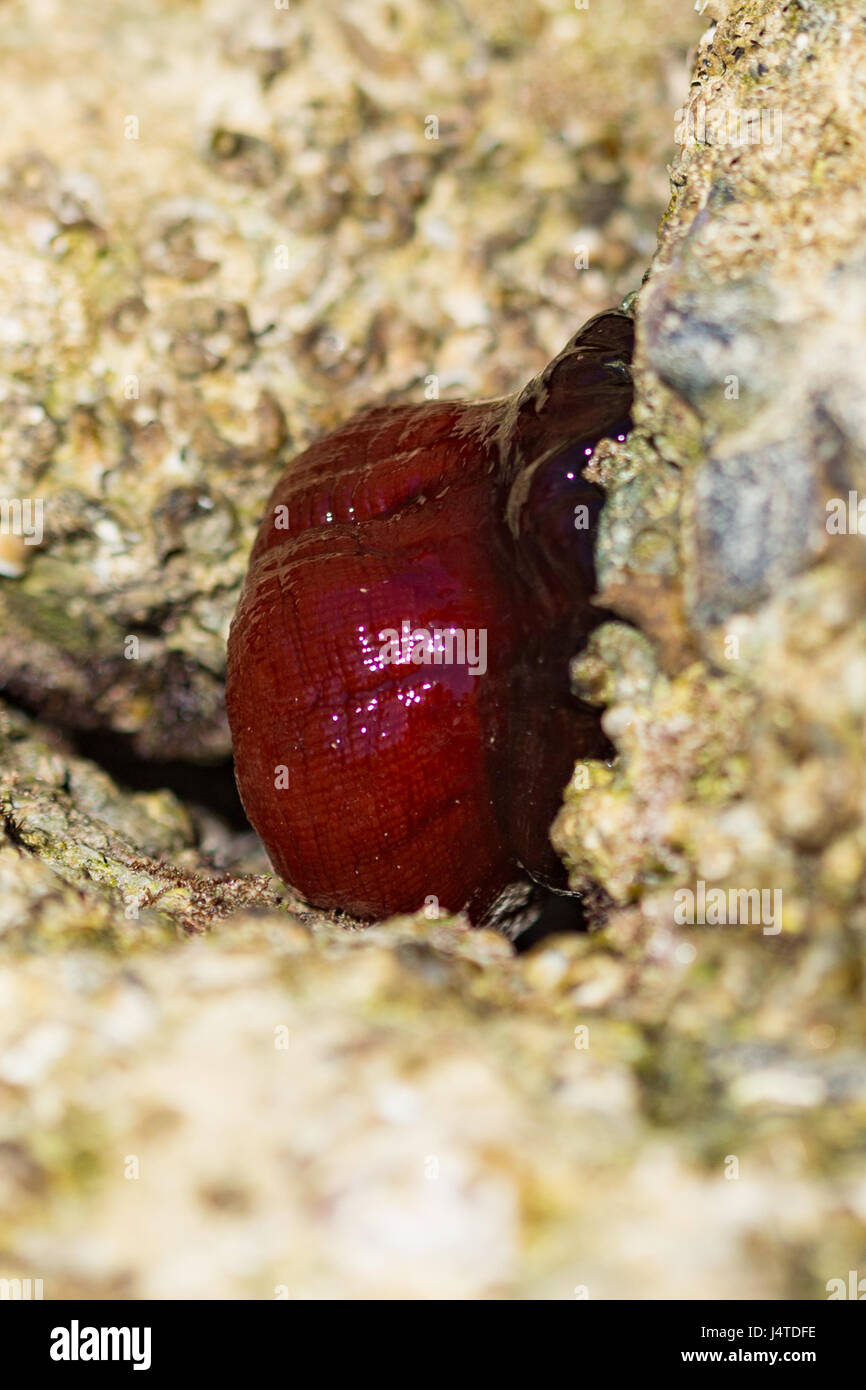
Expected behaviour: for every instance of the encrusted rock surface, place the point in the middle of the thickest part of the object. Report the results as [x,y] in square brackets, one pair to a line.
[208,1091]
[736,697]
[739,711]
[235,226]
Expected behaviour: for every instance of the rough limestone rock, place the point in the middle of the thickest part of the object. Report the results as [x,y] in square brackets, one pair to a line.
[234,227]
[738,703]
[736,695]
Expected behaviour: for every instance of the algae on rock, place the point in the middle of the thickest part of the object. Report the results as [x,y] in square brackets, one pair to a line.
[742,756]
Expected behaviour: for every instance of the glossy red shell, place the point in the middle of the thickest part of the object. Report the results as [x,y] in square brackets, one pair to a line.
[376,784]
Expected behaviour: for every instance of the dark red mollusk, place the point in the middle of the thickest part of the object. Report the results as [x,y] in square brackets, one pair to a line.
[398,664]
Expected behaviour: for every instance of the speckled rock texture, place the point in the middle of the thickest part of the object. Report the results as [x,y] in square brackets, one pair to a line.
[233,228]
[207,1091]
[736,695]
[738,706]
